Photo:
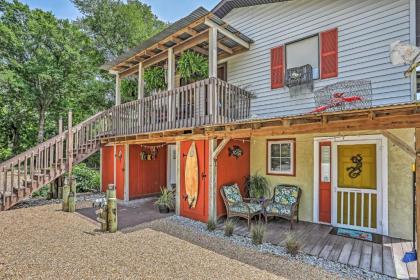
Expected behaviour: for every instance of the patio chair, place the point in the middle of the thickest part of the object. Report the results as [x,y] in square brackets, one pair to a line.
[284,203]
[236,205]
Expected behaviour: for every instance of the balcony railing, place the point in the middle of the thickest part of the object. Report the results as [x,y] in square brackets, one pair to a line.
[206,102]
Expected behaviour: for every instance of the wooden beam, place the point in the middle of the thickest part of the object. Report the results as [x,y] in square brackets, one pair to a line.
[191,31]
[140,91]
[117,90]
[184,45]
[224,48]
[200,50]
[220,148]
[400,143]
[227,33]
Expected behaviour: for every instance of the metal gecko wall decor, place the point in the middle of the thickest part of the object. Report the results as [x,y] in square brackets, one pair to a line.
[355,171]
[235,151]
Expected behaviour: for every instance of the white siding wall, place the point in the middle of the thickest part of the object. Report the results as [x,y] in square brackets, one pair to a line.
[365,30]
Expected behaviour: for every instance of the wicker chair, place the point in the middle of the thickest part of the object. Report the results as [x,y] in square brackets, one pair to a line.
[284,204]
[236,205]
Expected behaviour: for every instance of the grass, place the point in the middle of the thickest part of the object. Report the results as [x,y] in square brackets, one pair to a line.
[211,225]
[230,225]
[257,233]
[292,245]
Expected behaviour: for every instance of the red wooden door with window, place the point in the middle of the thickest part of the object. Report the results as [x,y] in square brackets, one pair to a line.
[325,182]
[200,212]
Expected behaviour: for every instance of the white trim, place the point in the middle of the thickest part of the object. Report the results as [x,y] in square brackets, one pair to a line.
[382,169]
[292,157]
[178,179]
[101,167]
[413,39]
[170,149]
[115,166]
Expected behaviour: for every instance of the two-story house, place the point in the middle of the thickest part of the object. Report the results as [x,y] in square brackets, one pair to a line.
[301,92]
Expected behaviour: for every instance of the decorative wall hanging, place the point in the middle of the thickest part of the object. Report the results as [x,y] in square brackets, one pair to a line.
[355,171]
[150,152]
[299,80]
[344,95]
[235,151]
[191,177]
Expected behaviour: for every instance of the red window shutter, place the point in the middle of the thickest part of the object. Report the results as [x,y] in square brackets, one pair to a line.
[277,67]
[329,54]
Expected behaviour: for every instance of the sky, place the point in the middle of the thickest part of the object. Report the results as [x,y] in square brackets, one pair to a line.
[166,10]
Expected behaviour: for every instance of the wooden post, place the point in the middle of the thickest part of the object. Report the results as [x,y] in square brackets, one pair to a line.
[60,125]
[212,52]
[66,192]
[178,179]
[171,82]
[117,90]
[112,209]
[212,181]
[72,202]
[126,172]
[140,93]
[70,144]
[417,137]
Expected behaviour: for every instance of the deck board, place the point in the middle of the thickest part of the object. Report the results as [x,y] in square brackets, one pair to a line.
[316,240]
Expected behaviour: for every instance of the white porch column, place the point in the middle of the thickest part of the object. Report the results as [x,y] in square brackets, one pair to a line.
[178,179]
[117,90]
[141,81]
[126,172]
[212,181]
[212,52]
[171,69]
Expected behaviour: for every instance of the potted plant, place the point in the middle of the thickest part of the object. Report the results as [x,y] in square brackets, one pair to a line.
[165,202]
[257,186]
[154,79]
[192,67]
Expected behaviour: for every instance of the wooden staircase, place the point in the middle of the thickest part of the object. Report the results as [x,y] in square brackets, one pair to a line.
[40,165]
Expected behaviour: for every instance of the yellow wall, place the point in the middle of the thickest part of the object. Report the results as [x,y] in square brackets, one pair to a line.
[399,176]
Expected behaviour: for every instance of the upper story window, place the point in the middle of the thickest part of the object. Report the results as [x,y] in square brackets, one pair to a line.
[320,51]
[304,52]
[281,157]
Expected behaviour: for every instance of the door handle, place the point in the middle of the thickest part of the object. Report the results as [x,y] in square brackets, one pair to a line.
[203,175]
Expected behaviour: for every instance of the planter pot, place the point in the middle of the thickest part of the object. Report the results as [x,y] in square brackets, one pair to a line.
[163,209]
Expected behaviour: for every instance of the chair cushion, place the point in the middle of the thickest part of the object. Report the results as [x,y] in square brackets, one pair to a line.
[232,194]
[286,195]
[279,209]
[241,207]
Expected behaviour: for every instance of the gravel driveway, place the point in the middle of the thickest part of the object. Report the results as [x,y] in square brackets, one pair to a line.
[45,243]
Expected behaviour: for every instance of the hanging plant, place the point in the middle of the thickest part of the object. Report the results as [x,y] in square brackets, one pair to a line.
[154,79]
[192,67]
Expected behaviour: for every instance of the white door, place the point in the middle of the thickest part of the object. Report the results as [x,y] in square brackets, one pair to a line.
[357,185]
[171,166]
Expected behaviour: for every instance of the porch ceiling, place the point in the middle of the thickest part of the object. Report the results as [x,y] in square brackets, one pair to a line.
[191,33]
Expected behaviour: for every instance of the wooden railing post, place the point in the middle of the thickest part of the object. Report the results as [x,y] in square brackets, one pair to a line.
[70,144]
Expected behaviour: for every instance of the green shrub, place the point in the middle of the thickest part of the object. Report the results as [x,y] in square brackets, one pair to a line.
[42,192]
[229,227]
[166,199]
[87,179]
[257,233]
[211,225]
[257,186]
[154,79]
[292,245]
[192,67]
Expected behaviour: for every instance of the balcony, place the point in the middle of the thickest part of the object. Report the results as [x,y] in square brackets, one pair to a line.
[206,102]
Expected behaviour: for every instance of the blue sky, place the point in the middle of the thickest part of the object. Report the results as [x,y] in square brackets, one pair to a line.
[167,10]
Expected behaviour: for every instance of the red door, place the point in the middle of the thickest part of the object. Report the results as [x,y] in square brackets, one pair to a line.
[107,166]
[325,182]
[120,170]
[200,212]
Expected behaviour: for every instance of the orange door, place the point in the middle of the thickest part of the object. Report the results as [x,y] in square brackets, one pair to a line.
[120,170]
[200,211]
[325,182]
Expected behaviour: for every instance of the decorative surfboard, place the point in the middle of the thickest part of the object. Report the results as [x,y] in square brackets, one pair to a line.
[191,176]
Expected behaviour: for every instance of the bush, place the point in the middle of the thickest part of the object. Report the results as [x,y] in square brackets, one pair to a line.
[87,179]
[292,245]
[257,233]
[229,227]
[211,225]
[257,186]
[166,199]
[42,192]
[193,67]
[154,79]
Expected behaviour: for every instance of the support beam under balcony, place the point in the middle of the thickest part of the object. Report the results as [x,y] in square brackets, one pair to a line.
[141,81]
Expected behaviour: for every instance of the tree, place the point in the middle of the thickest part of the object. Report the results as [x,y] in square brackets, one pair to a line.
[116,25]
[48,66]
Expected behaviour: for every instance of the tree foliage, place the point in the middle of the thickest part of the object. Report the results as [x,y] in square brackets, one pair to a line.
[49,66]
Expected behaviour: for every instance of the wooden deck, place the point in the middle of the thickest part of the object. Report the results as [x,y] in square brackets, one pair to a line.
[315,240]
